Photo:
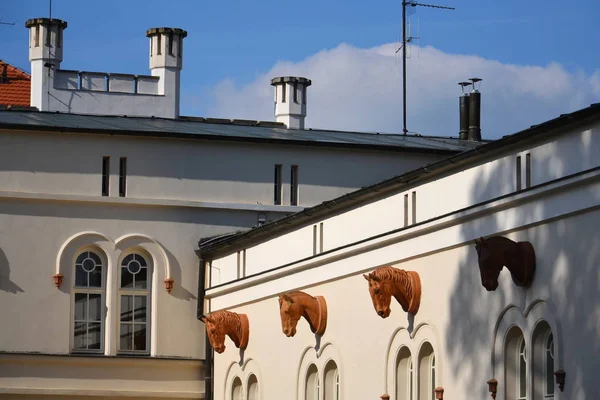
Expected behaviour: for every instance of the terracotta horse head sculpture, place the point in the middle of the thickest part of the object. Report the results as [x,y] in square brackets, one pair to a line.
[386,282]
[293,305]
[221,323]
[496,252]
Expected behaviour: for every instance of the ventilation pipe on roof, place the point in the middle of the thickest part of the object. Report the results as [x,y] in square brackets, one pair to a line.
[463,108]
[474,112]
[290,100]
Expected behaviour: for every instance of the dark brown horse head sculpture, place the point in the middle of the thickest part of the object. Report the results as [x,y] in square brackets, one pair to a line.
[497,252]
[294,305]
[221,323]
[386,282]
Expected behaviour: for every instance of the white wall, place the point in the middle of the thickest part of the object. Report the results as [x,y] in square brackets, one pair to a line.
[457,315]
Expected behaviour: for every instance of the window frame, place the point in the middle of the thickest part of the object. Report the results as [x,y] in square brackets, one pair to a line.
[136,292]
[82,290]
[234,386]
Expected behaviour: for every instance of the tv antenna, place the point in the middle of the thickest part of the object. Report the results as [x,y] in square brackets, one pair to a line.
[410,8]
[6,23]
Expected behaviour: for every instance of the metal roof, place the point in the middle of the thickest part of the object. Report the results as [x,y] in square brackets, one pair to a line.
[225,129]
[224,244]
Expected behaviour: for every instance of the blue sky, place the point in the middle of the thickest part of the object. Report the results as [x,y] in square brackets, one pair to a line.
[233,46]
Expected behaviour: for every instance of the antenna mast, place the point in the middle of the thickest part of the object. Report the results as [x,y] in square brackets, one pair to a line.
[404,41]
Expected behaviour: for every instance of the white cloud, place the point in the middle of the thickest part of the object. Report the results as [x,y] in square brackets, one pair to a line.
[361,89]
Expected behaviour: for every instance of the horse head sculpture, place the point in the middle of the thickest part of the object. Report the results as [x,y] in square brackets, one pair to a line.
[496,252]
[294,305]
[386,282]
[221,323]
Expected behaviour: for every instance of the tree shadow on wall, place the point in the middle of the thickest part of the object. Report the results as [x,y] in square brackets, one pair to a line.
[567,253]
[5,283]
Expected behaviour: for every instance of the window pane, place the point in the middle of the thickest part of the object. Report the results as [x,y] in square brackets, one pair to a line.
[80,335]
[126,278]
[94,335]
[126,342]
[140,308]
[522,372]
[80,306]
[126,308]
[81,277]
[127,259]
[141,278]
[95,257]
[141,260]
[95,277]
[81,257]
[139,336]
[95,307]
[550,365]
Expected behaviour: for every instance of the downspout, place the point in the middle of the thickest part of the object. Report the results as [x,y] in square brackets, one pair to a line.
[208,351]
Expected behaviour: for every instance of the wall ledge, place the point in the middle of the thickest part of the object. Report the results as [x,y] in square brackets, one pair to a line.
[145,202]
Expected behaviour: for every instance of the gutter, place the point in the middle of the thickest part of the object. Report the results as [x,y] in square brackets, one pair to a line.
[224,138]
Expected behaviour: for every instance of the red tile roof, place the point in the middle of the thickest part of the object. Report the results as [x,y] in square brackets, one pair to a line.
[15,86]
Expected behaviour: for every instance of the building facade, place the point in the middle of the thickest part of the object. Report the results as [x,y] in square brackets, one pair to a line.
[104,190]
[406,291]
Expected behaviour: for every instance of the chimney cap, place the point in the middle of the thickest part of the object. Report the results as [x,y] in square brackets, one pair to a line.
[292,79]
[156,31]
[45,21]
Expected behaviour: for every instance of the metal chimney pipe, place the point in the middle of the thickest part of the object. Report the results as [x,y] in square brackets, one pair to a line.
[474,112]
[463,108]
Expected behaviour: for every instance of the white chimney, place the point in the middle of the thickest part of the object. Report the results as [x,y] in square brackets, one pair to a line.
[290,100]
[166,61]
[45,55]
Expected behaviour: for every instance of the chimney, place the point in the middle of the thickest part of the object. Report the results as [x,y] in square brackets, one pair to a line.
[166,62]
[463,108]
[290,100]
[474,112]
[45,55]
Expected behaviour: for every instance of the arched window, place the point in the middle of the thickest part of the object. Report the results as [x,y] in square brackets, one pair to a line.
[332,382]
[432,386]
[252,388]
[522,371]
[404,375]
[236,390]
[426,376]
[88,301]
[134,301]
[543,362]
[312,383]
[515,353]
[337,385]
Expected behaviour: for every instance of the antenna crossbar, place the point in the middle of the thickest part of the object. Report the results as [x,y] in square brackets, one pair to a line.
[406,40]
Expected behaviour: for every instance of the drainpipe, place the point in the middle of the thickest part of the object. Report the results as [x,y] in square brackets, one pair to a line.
[208,351]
